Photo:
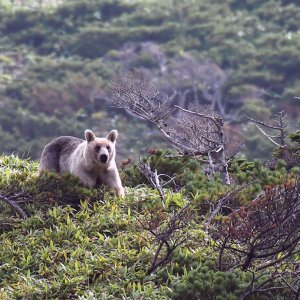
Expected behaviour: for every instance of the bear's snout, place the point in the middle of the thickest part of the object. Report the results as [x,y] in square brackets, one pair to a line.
[103,158]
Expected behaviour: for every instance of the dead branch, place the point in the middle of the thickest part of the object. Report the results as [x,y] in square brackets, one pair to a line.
[268,136]
[198,131]
[279,127]
[14,206]
[168,234]
[221,202]
[152,177]
[140,98]
[269,225]
[262,123]
[286,281]
[207,116]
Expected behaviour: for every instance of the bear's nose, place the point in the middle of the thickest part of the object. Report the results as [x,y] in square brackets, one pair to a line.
[103,158]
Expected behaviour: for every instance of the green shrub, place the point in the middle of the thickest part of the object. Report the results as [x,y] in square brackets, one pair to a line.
[83,243]
[205,282]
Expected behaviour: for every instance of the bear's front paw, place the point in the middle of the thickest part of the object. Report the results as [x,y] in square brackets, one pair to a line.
[120,192]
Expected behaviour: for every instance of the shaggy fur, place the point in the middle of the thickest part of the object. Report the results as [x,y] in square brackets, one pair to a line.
[92,159]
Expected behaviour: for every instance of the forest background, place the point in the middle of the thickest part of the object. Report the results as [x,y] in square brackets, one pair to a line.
[57,57]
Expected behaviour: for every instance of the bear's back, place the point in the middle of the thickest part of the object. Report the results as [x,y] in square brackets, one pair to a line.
[56,154]
[66,145]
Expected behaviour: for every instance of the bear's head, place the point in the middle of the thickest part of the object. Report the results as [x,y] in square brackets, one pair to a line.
[101,151]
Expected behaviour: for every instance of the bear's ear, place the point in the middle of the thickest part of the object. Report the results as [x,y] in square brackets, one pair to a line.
[112,136]
[89,135]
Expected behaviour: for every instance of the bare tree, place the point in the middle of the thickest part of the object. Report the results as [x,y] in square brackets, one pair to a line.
[275,132]
[198,132]
[278,125]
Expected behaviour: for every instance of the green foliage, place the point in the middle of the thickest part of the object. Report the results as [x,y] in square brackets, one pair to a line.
[295,137]
[81,243]
[93,42]
[60,56]
[62,252]
[189,175]
[71,254]
[294,150]
[19,182]
[11,164]
[205,282]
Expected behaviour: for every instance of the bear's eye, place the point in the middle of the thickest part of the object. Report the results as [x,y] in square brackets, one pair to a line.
[97,148]
[108,148]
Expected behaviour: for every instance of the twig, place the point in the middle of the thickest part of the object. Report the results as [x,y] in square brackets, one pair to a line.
[14,205]
[221,203]
[274,262]
[152,177]
[268,136]
[281,126]
[263,123]
[214,118]
[184,156]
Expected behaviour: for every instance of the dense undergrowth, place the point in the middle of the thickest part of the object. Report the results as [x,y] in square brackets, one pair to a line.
[78,243]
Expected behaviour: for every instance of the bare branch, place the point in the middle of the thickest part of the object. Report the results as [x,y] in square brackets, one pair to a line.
[152,177]
[198,131]
[281,128]
[262,123]
[268,136]
[212,117]
[269,225]
[168,232]
[275,262]
[141,98]
[221,203]
[14,205]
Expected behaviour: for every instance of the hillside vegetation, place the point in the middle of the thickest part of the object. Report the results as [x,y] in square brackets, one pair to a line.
[200,239]
[198,222]
[241,57]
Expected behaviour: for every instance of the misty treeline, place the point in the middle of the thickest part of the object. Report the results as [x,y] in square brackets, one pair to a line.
[239,58]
